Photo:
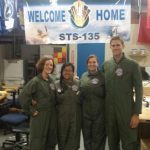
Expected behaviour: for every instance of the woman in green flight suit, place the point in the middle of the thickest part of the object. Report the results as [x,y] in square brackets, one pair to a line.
[38,100]
[93,103]
[68,109]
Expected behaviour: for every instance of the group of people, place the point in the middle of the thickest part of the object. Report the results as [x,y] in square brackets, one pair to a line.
[101,103]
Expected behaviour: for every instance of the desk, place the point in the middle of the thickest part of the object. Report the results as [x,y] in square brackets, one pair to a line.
[146,91]
[145,116]
[3,95]
[144,126]
[144,129]
[13,89]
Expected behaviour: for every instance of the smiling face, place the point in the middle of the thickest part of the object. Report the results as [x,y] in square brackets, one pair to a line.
[68,73]
[48,67]
[116,46]
[92,64]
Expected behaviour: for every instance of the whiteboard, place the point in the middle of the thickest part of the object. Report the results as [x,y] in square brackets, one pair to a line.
[13,69]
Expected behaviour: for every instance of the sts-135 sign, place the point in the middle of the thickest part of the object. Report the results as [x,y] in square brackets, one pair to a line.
[78,21]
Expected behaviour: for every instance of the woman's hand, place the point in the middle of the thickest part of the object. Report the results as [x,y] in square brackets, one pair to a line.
[134,121]
[34,102]
[35,112]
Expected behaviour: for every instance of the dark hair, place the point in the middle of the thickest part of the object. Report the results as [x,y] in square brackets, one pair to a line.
[91,56]
[117,38]
[62,69]
[41,62]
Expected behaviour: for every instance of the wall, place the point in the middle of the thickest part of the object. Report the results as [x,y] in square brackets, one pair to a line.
[29,51]
[46,50]
[5,52]
[84,50]
[73,55]
[143,60]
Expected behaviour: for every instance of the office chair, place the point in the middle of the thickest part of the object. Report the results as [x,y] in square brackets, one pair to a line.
[16,121]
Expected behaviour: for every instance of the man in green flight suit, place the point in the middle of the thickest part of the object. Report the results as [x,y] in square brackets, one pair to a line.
[123,81]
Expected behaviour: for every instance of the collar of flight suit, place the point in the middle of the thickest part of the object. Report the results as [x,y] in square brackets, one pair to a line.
[40,77]
[93,74]
[121,59]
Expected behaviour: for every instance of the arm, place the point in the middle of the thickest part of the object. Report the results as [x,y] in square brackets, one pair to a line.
[137,81]
[102,68]
[26,95]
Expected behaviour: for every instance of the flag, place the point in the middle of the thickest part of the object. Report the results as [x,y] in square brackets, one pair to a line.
[144,32]
[148,14]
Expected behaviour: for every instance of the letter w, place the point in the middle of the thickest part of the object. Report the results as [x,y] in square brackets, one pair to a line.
[31,16]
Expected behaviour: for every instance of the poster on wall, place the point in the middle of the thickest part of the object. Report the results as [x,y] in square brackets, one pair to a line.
[60,55]
[11,16]
[76,21]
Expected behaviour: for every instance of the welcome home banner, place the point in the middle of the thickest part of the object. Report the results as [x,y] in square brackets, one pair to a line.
[80,21]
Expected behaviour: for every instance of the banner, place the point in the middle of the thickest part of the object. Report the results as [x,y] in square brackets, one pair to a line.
[11,16]
[64,22]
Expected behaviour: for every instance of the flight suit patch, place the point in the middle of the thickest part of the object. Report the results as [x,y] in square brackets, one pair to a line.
[119,72]
[52,86]
[95,81]
[75,88]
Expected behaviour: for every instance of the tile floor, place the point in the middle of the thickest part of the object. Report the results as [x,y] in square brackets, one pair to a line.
[10,136]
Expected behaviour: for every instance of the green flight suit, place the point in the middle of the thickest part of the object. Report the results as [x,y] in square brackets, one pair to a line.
[93,112]
[68,115]
[43,126]
[122,80]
